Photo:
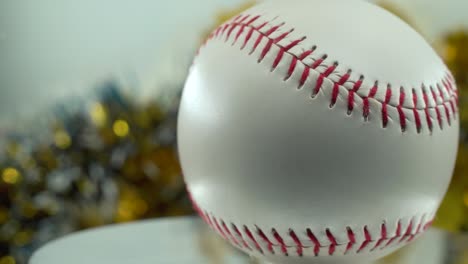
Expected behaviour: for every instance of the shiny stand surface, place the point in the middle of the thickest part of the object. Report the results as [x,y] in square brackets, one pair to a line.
[188,240]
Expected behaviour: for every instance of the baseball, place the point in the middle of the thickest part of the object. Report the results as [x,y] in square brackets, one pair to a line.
[318,131]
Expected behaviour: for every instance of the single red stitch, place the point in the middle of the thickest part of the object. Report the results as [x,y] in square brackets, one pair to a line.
[218,228]
[453,108]
[257,42]
[226,229]
[217,31]
[366,106]
[273,29]
[233,26]
[317,62]
[318,84]
[292,66]
[305,54]
[408,231]
[388,96]
[265,50]
[305,75]
[447,113]
[280,240]
[293,44]
[265,238]
[336,86]
[400,110]
[321,77]
[237,17]
[351,238]
[383,236]
[330,69]
[297,241]
[243,19]
[439,117]
[397,234]
[442,95]
[209,220]
[282,36]
[278,58]
[240,236]
[426,109]
[367,240]
[315,241]
[247,37]
[253,19]
[225,27]
[417,119]
[446,85]
[249,234]
[241,30]
[412,236]
[261,26]
[333,243]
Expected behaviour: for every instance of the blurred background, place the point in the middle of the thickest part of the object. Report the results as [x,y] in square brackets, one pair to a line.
[89,93]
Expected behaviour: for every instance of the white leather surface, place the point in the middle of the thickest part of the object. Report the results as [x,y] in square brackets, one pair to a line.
[257,151]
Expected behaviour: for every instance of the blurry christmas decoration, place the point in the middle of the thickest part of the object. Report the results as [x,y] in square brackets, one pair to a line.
[110,160]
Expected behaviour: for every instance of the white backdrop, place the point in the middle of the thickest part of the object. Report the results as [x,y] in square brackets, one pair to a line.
[55,48]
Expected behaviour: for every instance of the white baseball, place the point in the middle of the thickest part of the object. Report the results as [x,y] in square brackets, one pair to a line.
[318,131]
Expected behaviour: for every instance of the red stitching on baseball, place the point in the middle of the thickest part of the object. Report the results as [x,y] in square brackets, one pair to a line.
[417,119]
[265,238]
[273,29]
[238,233]
[333,243]
[219,228]
[278,58]
[322,76]
[450,95]
[298,243]
[243,19]
[356,87]
[366,106]
[336,89]
[418,229]
[282,36]
[226,229]
[305,54]
[408,231]
[280,240]
[241,30]
[367,240]
[304,76]
[315,241]
[247,37]
[233,26]
[351,238]
[383,236]
[426,109]
[388,96]
[397,234]
[294,43]
[265,50]
[292,66]
[439,117]
[252,238]
[401,113]
[253,19]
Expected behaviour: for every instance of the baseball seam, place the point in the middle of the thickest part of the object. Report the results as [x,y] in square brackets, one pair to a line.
[443,95]
[256,239]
